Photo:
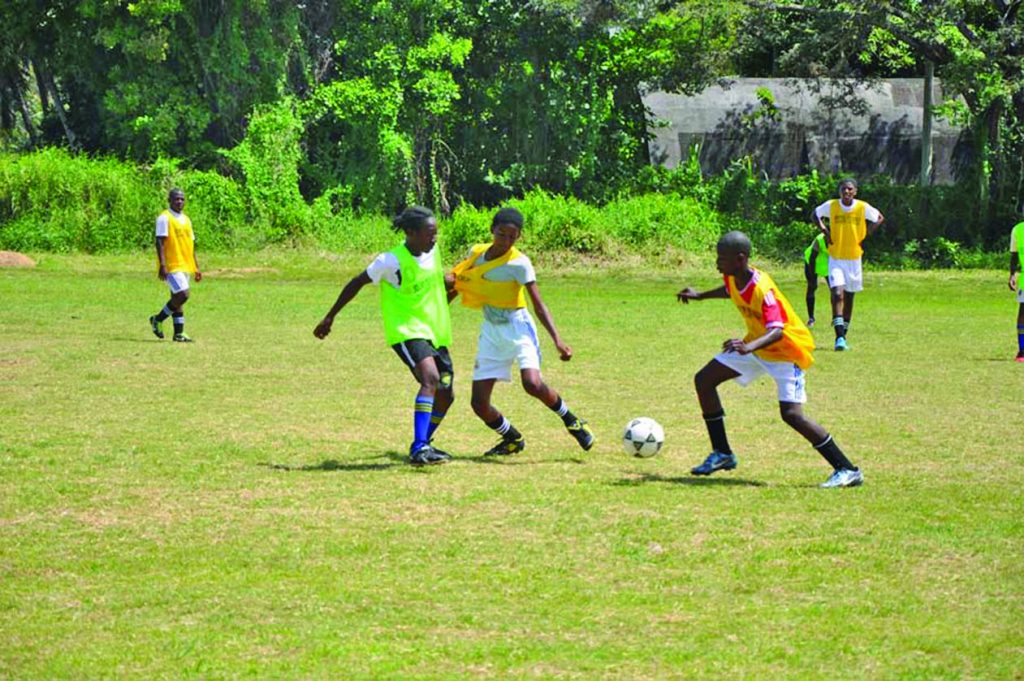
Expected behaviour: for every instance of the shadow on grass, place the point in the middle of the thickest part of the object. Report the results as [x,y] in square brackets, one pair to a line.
[693,481]
[514,461]
[328,465]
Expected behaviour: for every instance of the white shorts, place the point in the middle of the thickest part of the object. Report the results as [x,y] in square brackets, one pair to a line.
[789,378]
[177,281]
[501,345]
[1020,293]
[845,274]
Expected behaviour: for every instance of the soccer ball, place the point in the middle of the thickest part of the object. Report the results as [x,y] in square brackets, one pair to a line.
[643,437]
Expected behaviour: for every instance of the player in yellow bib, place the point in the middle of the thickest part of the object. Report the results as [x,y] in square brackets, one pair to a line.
[496,278]
[417,325]
[850,222]
[176,261]
[1016,247]
[776,343]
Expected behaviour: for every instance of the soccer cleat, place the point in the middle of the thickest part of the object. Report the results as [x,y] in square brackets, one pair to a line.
[716,461]
[581,431]
[844,477]
[441,453]
[182,338]
[841,345]
[156,326]
[1020,357]
[810,323]
[507,448]
[428,456]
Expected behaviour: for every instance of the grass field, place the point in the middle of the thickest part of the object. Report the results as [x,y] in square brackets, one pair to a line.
[241,506]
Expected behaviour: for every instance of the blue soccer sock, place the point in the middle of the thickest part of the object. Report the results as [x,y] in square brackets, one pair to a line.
[1020,338]
[164,313]
[435,421]
[421,421]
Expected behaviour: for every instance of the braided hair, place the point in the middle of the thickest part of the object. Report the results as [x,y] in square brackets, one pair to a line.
[411,219]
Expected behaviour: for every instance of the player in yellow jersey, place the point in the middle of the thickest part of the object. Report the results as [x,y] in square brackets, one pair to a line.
[850,222]
[417,326]
[777,343]
[497,278]
[176,260]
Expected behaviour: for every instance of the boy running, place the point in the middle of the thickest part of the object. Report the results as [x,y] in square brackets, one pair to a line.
[417,325]
[495,277]
[176,260]
[1016,246]
[850,221]
[815,265]
[777,343]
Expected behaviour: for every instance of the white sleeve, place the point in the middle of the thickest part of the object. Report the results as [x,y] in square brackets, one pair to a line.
[384,267]
[161,225]
[823,211]
[524,272]
[871,213]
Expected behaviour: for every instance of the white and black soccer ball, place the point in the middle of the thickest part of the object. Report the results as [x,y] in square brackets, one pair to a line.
[643,437]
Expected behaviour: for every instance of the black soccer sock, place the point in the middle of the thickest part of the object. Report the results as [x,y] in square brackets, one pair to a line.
[164,313]
[716,430]
[562,409]
[179,324]
[840,327]
[830,451]
[810,307]
[505,429]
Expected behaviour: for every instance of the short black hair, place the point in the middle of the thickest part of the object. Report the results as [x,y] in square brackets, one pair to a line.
[847,180]
[508,216]
[174,191]
[735,242]
[411,218]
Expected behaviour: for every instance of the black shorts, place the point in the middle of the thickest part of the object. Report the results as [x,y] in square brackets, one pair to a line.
[415,350]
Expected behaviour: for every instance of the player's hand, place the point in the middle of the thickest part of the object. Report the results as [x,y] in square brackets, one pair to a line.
[687,294]
[1013,281]
[564,351]
[449,281]
[162,273]
[735,345]
[323,328]
[199,275]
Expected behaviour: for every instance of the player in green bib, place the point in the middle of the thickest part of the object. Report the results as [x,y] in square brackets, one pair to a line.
[417,325]
[1016,246]
[815,265]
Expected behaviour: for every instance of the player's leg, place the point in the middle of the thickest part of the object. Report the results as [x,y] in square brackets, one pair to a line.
[848,299]
[1020,331]
[706,381]
[837,287]
[845,474]
[511,439]
[418,355]
[445,395]
[812,284]
[534,385]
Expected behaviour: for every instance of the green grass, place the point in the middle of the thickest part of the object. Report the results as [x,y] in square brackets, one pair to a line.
[241,506]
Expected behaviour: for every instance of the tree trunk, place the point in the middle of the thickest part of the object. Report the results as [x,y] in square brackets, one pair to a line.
[58,105]
[926,125]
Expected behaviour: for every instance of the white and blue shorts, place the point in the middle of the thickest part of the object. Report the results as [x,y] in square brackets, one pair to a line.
[177,281]
[502,344]
[845,274]
[1020,293]
[788,377]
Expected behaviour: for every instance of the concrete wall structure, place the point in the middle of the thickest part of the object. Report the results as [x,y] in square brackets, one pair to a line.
[815,126]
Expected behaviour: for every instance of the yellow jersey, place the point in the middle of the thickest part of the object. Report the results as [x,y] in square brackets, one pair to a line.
[847,230]
[179,243]
[763,308]
[476,291]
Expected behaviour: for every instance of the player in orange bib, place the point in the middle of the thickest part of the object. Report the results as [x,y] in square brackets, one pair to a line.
[777,343]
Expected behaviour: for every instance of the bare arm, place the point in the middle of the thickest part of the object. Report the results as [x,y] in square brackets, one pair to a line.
[689,293]
[162,272]
[195,262]
[872,226]
[347,294]
[541,310]
[1014,270]
[737,345]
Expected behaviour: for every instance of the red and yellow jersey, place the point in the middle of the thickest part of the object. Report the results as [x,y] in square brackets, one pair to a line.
[764,308]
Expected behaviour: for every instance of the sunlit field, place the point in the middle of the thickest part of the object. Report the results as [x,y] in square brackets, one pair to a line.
[243,506]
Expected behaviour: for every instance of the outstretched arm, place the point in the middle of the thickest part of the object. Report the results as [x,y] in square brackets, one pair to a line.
[689,293]
[564,351]
[347,294]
